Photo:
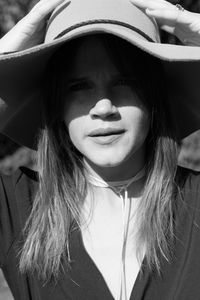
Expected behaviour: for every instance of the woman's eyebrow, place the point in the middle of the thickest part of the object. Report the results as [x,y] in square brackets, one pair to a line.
[112,78]
[124,76]
[78,79]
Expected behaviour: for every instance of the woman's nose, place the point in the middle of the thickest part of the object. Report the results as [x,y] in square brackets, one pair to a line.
[104,108]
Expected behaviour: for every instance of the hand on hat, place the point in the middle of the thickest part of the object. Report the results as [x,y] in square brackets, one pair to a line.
[182,23]
[30,30]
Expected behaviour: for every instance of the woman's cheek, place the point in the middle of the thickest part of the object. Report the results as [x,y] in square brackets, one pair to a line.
[76,132]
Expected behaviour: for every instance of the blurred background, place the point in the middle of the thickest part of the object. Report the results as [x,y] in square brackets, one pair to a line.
[12,155]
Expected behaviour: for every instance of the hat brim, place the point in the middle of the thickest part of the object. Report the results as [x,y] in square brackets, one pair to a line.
[182,65]
[166,52]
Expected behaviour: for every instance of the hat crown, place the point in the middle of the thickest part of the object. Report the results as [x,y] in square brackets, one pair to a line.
[76,13]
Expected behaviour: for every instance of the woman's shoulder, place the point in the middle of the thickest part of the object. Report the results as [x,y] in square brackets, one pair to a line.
[17,191]
[188,189]
[188,179]
[22,174]
[15,205]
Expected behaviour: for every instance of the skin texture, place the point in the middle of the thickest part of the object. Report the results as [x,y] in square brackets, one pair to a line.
[98,96]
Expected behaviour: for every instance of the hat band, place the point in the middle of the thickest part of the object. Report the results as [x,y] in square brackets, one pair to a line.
[102,21]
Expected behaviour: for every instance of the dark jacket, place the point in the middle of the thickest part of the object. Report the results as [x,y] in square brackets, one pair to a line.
[179,278]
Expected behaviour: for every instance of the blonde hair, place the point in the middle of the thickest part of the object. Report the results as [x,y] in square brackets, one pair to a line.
[62,183]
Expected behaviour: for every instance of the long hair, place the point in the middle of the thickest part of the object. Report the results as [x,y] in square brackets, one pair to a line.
[62,183]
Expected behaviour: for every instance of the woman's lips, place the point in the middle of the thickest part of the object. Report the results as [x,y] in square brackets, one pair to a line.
[105,136]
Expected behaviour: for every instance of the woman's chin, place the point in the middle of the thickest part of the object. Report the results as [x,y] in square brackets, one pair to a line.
[107,162]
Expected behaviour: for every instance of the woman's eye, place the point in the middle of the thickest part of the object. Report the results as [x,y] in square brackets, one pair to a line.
[123,82]
[79,86]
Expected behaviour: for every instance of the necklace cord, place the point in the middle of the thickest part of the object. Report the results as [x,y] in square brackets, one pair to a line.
[120,188]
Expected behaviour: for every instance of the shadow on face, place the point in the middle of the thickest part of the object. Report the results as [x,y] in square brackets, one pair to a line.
[83,57]
[104,90]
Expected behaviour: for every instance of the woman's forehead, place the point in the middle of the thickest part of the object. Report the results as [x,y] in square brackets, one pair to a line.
[91,52]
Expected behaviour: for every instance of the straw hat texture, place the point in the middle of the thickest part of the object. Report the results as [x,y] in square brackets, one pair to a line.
[20,72]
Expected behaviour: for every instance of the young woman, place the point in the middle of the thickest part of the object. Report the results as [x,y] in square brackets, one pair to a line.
[107,214]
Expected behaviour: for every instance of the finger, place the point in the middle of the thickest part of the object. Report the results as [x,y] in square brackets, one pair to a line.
[166,19]
[164,15]
[151,4]
[169,29]
[42,9]
[170,16]
[195,24]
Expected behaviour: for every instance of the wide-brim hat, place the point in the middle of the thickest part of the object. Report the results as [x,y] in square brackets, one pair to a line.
[20,72]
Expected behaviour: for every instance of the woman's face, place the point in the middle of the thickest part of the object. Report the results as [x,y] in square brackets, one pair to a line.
[107,121]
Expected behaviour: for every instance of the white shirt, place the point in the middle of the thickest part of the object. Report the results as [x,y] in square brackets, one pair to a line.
[102,236]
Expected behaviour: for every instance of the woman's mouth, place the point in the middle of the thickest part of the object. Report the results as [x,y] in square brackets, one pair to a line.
[105,136]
